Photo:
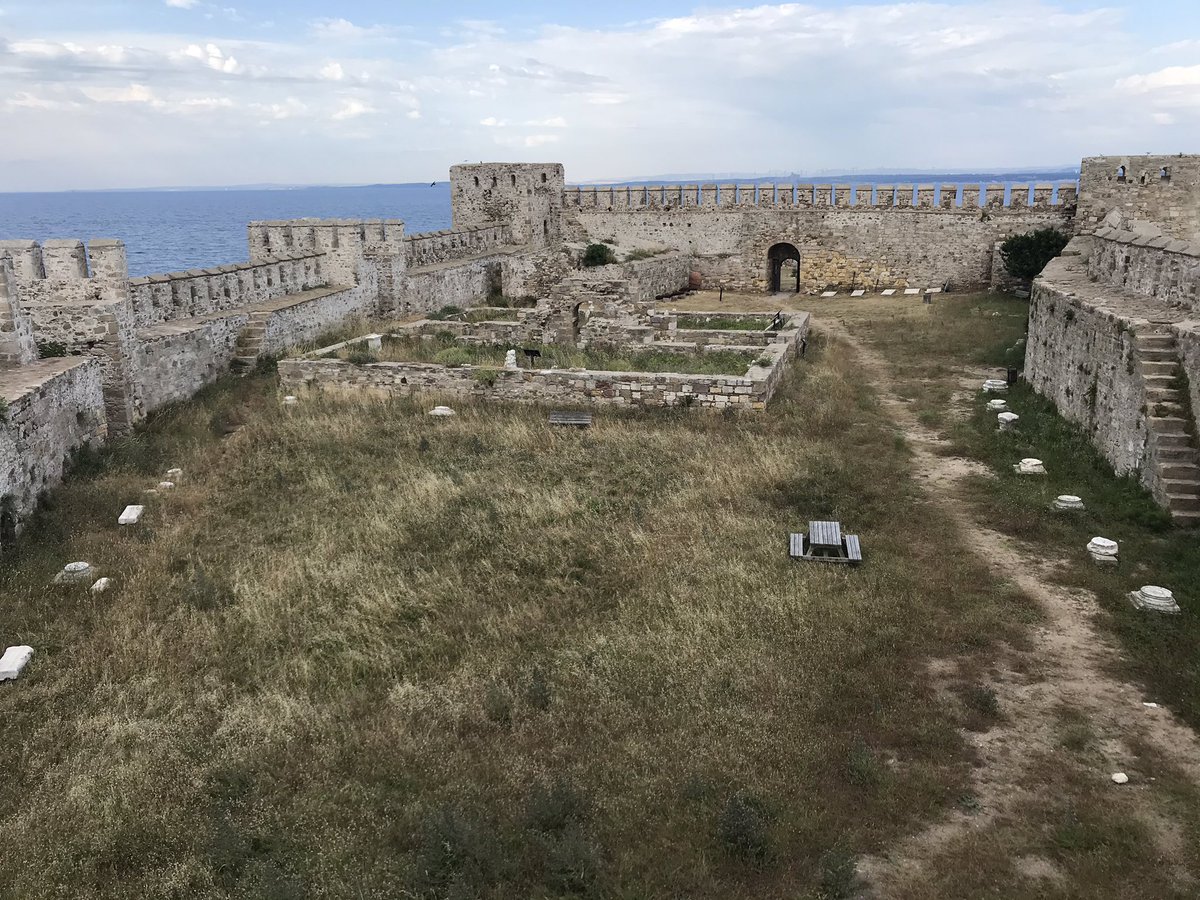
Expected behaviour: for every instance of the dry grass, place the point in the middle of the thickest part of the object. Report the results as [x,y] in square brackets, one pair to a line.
[361,652]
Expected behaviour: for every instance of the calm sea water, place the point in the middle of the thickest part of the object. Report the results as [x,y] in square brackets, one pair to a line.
[166,231]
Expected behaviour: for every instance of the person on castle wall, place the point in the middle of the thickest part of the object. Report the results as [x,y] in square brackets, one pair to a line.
[803,345]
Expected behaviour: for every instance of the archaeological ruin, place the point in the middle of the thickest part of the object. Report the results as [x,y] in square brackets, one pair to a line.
[1114,335]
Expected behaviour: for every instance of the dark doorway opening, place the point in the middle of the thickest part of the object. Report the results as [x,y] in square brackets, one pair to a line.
[779,258]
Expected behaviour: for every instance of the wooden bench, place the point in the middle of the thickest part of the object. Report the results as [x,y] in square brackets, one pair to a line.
[574,419]
[825,543]
[853,550]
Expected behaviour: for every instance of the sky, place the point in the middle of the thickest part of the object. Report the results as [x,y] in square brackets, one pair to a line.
[150,93]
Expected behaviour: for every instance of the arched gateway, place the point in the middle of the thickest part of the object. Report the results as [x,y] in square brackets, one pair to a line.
[777,257]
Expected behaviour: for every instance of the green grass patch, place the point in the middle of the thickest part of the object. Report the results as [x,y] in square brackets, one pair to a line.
[722,322]
[447,350]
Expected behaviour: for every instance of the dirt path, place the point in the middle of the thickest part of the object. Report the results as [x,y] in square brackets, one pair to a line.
[1065,667]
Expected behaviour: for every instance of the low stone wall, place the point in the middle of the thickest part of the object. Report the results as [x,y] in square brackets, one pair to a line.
[535,273]
[176,359]
[1155,266]
[54,407]
[553,386]
[305,317]
[463,284]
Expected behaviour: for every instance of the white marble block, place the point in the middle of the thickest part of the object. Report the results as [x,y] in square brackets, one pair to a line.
[858,293]
[13,661]
[1030,466]
[1155,599]
[1103,551]
[374,342]
[909,292]
[101,585]
[995,386]
[1068,501]
[1008,421]
[829,294]
[889,292]
[166,485]
[131,516]
[175,475]
[289,400]
[510,359]
[74,573]
[998,406]
[441,411]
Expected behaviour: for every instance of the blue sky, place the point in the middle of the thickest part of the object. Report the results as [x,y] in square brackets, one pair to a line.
[166,92]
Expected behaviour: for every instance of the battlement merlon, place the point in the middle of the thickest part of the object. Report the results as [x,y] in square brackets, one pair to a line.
[66,260]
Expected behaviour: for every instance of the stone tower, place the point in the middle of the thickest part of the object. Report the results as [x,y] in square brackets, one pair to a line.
[527,195]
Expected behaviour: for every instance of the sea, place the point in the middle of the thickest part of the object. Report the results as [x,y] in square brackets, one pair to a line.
[170,231]
[174,230]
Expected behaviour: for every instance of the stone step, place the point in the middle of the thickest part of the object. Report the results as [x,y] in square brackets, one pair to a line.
[1156,354]
[255,330]
[1165,382]
[1183,504]
[1159,368]
[1154,341]
[245,362]
[1167,425]
[1180,472]
[1186,518]
[1163,395]
[1171,440]
[1179,454]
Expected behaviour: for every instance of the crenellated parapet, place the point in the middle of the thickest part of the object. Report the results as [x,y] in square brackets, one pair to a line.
[707,197]
[180,295]
[436,247]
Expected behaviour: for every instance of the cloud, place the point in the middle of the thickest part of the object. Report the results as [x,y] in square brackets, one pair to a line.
[787,87]
[212,56]
[352,109]
[332,72]
[182,4]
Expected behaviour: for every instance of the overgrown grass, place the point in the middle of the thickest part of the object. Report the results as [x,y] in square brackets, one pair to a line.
[725,323]
[445,349]
[360,652]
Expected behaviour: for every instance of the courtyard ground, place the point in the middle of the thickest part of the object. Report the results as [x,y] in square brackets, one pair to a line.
[360,652]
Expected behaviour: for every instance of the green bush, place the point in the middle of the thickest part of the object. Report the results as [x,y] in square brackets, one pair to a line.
[598,255]
[744,828]
[1025,255]
[50,349]
[453,356]
[361,357]
[486,377]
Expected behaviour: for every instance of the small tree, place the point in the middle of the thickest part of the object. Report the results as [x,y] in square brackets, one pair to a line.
[598,255]
[1025,255]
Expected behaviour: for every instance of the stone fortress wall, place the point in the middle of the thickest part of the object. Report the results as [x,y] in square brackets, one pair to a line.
[845,236]
[1114,328]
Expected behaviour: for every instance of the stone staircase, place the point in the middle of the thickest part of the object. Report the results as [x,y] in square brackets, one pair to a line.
[1172,441]
[250,342]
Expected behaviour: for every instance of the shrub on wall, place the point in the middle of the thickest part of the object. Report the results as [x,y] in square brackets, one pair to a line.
[598,255]
[1025,255]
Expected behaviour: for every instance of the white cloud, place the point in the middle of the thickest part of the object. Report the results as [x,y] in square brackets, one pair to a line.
[182,4]
[352,109]
[794,87]
[212,56]
[332,72]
